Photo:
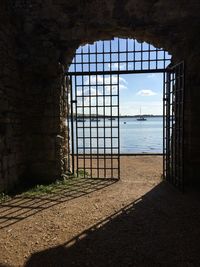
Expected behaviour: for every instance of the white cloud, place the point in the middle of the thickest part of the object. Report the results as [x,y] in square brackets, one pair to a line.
[123,80]
[108,81]
[87,91]
[146,92]
[152,75]
[110,86]
[117,66]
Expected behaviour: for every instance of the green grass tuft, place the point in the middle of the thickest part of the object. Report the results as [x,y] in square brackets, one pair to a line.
[82,173]
[4,197]
[53,188]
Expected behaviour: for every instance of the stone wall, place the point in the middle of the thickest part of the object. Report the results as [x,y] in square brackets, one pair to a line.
[33,134]
[46,134]
[38,40]
[12,153]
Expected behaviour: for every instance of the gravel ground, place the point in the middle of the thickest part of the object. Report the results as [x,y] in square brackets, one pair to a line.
[138,221]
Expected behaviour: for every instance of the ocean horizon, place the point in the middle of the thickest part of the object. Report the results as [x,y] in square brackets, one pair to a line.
[136,137]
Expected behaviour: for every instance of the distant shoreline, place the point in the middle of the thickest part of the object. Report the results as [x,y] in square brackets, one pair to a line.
[121,116]
[143,115]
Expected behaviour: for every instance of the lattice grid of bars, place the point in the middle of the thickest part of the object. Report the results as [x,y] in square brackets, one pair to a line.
[95,75]
[119,55]
[174,125]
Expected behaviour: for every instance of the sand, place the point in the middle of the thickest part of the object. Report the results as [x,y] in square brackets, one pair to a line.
[137,221]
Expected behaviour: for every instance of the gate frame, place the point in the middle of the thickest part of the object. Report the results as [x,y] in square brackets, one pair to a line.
[166,70]
[113,157]
[173,125]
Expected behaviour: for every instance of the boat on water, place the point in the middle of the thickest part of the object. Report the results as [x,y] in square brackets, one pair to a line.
[80,120]
[111,119]
[93,119]
[141,117]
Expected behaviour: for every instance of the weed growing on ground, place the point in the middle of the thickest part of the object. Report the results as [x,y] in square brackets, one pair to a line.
[52,188]
[4,197]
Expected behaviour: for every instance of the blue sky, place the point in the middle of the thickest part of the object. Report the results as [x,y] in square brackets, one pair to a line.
[141,91]
[137,91]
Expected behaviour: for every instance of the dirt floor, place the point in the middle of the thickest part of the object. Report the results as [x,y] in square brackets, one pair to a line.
[139,221]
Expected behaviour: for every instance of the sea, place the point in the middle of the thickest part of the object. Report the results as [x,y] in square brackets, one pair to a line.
[141,136]
[136,137]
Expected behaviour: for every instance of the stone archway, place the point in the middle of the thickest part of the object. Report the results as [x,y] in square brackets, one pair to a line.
[45,35]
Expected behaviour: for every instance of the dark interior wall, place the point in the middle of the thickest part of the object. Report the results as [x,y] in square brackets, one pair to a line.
[44,43]
[32,106]
[192,123]
[12,152]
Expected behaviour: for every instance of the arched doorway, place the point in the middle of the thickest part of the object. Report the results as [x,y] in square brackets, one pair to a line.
[94,82]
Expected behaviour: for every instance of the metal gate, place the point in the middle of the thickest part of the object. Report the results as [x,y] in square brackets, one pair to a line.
[95,82]
[95,119]
[174,125]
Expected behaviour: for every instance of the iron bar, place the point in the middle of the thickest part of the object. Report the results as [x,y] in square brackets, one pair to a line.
[90,116]
[104,110]
[77,161]
[72,124]
[114,72]
[83,113]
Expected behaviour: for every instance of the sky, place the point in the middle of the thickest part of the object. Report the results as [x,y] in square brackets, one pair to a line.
[141,91]
[137,91]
